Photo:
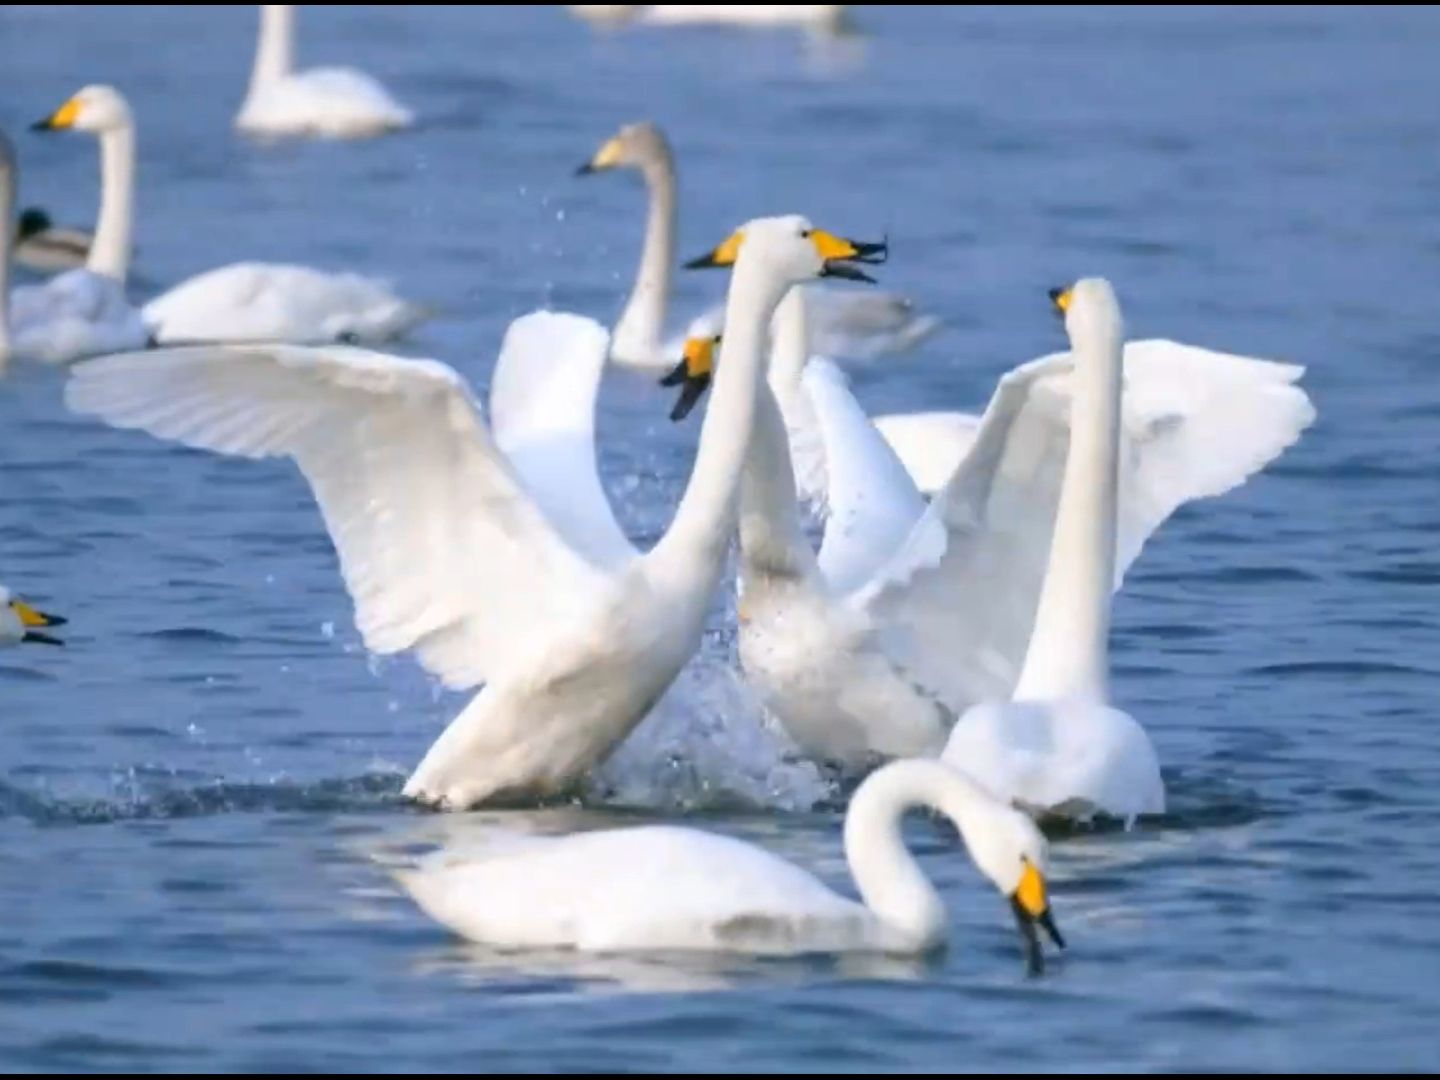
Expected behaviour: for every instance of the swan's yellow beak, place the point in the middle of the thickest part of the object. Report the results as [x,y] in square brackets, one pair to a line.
[1031,905]
[1061,298]
[836,253]
[692,374]
[30,618]
[62,118]
[607,157]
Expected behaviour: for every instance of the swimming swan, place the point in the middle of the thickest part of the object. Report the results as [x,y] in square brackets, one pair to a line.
[909,615]
[861,325]
[665,887]
[42,245]
[336,102]
[78,313]
[19,622]
[247,301]
[574,634]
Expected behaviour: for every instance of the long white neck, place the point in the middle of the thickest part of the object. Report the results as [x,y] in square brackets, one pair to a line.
[275,51]
[772,542]
[700,534]
[889,879]
[7,231]
[1068,655]
[789,347]
[110,253]
[642,324]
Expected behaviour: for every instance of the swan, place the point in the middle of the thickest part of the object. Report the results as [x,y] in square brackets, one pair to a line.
[666,887]
[1057,746]
[42,245]
[444,550]
[19,622]
[78,313]
[851,324]
[910,614]
[828,18]
[334,102]
[246,301]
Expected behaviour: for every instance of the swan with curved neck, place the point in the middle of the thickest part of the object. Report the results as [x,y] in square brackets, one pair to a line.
[1059,747]
[247,301]
[848,323]
[331,102]
[673,888]
[445,550]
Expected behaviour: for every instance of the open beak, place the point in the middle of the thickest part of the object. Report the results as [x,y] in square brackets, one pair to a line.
[840,255]
[1032,908]
[30,619]
[692,375]
[62,118]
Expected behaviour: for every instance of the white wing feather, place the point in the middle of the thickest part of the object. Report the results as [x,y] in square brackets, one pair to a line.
[931,445]
[957,604]
[441,548]
[542,408]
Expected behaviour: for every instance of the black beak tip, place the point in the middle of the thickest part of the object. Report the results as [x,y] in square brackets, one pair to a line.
[42,639]
[585,170]
[702,262]
[56,620]
[1055,294]
[41,125]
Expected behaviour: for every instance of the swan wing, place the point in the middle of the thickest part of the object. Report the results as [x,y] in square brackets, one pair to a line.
[872,502]
[958,603]
[930,445]
[542,409]
[440,547]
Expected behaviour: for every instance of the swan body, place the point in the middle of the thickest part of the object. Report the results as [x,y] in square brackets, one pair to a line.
[911,614]
[332,102]
[847,323]
[664,887]
[248,301]
[21,623]
[79,313]
[42,245]
[1059,747]
[444,548]
[277,302]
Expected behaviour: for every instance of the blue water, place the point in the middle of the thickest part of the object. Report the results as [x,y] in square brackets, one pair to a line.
[199,795]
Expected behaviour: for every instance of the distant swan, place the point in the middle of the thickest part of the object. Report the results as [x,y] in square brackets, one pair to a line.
[826,18]
[336,102]
[42,245]
[247,301]
[666,887]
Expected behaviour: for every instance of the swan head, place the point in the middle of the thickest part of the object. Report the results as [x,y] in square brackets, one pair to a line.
[1090,310]
[21,622]
[693,373]
[795,250]
[1012,852]
[635,146]
[95,109]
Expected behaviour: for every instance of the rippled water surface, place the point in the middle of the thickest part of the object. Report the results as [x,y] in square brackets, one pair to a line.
[199,796]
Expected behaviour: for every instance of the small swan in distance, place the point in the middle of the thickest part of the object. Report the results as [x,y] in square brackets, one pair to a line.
[447,551]
[847,324]
[42,245]
[247,301]
[334,102]
[824,18]
[19,622]
[1059,747]
[666,887]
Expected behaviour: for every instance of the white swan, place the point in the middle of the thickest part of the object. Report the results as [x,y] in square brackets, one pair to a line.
[827,18]
[42,245]
[846,324]
[19,622]
[336,102]
[78,313]
[910,615]
[665,887]
[247,301]
[1059,747]
[443,549]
